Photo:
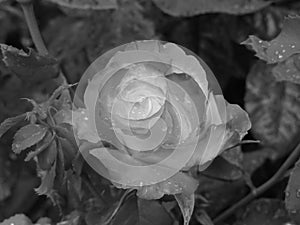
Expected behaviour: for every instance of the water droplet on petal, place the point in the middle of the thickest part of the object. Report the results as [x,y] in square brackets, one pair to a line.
[293,46]
[280,56]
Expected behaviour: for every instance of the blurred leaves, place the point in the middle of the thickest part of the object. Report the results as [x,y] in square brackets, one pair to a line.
[103,30]
[195,7]
[292,194]
[30,66]
[18,219]
[265,212]
[273,107]
[87,4]
[219,194]
[89,31]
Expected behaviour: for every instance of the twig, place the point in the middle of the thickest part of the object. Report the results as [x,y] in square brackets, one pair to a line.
[244,142]
[34,30]
[261,189]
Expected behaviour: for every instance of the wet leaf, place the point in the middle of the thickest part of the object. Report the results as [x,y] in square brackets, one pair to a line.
[28,66]
[10,122]
[87,4]
[186,204]
[273,107]
[195,7]
[265,212]
[28,136]
[19,219]
[289,70]
[292,194]
[179,183]
[282,47]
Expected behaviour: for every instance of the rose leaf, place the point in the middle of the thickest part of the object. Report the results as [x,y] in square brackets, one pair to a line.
[195,7]
[10,122]
[28,66]
[289,70]
[28,136]
[286,44]
[292,194]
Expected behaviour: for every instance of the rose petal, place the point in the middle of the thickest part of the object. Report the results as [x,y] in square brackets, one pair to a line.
[217,138]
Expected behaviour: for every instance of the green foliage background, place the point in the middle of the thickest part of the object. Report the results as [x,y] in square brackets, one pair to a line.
[77,32]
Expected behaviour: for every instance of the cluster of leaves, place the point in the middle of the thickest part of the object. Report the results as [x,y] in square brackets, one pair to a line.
[81,196]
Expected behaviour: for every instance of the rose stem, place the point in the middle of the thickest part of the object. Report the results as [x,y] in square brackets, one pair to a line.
[34,30]
[261,189]
[36,36]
